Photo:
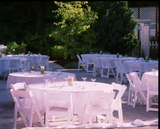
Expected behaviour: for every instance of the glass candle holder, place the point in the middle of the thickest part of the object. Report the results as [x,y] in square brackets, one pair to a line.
[42,68]
[70,81]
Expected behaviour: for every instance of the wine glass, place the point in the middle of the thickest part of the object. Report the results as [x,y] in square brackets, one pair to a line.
[93,80]
[23,71]
[66,80]
[154,71]
[46,80]
[84,78]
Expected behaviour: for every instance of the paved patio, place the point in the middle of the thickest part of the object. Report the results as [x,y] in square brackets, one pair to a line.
[130,114]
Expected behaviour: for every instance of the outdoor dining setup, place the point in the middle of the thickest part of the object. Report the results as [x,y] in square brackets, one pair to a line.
[41,94]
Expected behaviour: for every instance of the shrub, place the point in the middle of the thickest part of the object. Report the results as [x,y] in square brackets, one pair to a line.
[14,48]
[58,52]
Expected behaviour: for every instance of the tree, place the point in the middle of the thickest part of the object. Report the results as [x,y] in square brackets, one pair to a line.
[117,34]
[74,26]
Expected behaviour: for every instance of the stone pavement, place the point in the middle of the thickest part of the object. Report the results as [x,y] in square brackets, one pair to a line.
[130,114]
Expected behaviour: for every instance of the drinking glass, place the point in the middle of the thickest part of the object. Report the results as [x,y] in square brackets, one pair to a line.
[66,80]
[46,81]
[84,78]
[23,71]
[154,71]
[93,80]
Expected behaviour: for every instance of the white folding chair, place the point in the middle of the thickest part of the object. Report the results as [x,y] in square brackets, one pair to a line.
[24,108]
[44,61]
[135,67]
[133,95]
[151,93]
[98,104]
[19,86]
[81,63]
[89,64]
[26,65]
[13,65]
[117,102]
[155,66]
[137,82]
[58,104]
[97,66]
[120,72]
[107,68]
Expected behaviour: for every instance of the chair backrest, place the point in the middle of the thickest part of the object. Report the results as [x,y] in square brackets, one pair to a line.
[19,94]
[58,99]
[14,63]
[131,84]
[27,64]
[134,66]
[155,66]
[79,58]
[89,59]
[44,60]
[97,62]
[105,62]
[137,82]
[120,89]
[102,99]
[119,66]
[19,86]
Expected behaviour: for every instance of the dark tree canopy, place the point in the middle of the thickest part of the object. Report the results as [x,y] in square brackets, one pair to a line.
[118,35]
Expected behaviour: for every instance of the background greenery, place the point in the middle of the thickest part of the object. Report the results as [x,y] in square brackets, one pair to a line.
[31,23]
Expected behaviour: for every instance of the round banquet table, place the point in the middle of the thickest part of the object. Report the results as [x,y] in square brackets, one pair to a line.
[146,66]
[79,90]
[36,77]
[150,77]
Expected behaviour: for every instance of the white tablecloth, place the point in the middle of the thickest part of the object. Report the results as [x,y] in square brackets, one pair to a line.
[34,58]
[36,77]
[150,76]
[146,66]
[79,92]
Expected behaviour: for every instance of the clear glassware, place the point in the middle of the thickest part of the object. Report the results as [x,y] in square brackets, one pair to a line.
[93,79]
[23,70]
[46,81]
[84,78]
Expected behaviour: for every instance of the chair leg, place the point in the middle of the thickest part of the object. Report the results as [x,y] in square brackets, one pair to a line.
[15,118]
[78,67]
[120,115]
[24,119]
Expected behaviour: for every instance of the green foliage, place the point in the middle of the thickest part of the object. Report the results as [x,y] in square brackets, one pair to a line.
[117,29]
[14,48]
[58,52]
[74,30]
[72,64]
